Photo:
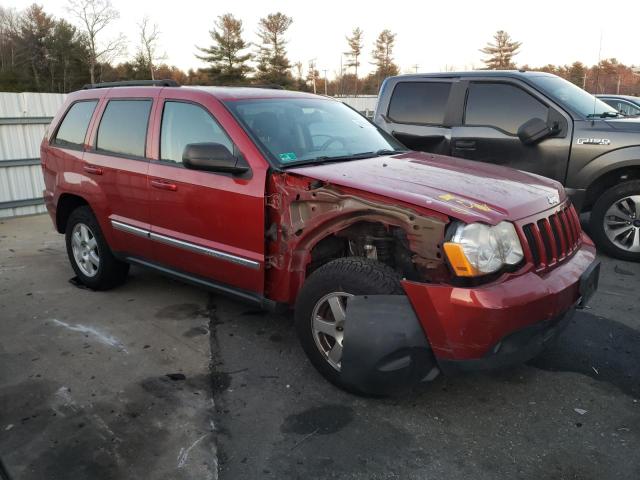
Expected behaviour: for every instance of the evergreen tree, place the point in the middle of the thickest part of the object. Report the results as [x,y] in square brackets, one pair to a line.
[383,56]
[576,73]
[228,65]
[501,52]
[273,64]
[355,50]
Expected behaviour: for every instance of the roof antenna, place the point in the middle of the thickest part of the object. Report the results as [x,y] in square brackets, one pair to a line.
[595,99]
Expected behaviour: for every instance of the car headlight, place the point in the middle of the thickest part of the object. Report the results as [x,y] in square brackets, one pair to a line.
[478,249]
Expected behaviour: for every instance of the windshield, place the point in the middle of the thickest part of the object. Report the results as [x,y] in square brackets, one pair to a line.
[311,130]
[574,97]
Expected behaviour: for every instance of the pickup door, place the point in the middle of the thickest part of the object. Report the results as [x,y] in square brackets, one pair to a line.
[493,112]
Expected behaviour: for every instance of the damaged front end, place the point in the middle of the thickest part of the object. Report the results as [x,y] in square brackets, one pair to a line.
[312,223]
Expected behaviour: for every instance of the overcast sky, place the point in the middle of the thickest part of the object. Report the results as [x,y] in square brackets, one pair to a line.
[435,35]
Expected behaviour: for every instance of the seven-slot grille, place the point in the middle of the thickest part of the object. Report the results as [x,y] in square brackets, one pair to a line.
[552,239]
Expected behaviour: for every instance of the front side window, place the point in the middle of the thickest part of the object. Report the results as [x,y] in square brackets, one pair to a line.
[624,107]
[502,106]
[185,123]
[123,128]
[306,130]
[419,102]
[573,97]
[74,126]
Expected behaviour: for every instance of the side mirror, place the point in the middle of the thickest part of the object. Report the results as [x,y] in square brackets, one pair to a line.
[534,131]
[213,157]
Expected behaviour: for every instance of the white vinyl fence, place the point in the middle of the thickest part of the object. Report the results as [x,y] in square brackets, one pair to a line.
[23,120]
[365,104]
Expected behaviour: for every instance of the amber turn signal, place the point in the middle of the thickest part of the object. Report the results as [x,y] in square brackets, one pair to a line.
[458,260]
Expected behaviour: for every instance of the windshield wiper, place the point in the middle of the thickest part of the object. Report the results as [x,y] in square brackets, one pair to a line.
[342,158]
[606,115]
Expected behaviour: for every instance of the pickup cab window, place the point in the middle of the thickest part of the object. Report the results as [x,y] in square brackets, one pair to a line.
[503,106]
[419,102]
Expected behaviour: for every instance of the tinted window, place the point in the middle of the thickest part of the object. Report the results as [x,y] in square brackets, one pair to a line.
[502,106]
[185,123]
[419,102]
[74,126]
[123,128]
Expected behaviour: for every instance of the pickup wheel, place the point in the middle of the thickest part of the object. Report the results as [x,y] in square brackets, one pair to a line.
[321,305]
[89,254]
[615,221]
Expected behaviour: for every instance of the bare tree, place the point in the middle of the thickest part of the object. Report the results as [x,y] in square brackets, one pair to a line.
[149,38]
[8,31]
[94,16]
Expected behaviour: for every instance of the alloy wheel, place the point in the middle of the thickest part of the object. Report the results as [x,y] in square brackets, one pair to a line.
[85,250]
[622,223]
[327,323]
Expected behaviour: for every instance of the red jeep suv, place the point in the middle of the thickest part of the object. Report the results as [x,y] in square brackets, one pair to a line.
[399,264]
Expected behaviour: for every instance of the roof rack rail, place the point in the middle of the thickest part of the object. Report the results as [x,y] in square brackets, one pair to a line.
[271,86]
[133,83]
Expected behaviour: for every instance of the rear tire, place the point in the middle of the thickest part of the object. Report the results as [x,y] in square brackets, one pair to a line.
[615,221]
[90,256]
[326,291]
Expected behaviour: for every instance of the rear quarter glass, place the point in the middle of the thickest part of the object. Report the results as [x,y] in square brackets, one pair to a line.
[74,125]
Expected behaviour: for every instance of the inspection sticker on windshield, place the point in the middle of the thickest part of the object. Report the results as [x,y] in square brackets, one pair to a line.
[288,157]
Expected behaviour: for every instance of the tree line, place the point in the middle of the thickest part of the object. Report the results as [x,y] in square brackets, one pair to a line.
[39,52]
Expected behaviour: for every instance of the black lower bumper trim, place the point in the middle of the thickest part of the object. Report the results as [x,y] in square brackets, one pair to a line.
[517,347]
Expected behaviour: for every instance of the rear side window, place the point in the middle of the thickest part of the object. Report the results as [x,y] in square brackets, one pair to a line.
[419,102]
[74,126]
[185,123]
[502,106]
[123,128]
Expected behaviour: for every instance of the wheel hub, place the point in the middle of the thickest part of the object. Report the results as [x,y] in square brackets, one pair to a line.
[327,323]
[85,249]
[622,223]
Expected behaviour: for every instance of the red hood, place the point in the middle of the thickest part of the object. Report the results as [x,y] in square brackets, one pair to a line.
[463,189]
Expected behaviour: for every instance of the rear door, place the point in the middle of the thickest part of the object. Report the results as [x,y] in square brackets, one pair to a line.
[416,114]
[206,224]
[117,163]
[493,112]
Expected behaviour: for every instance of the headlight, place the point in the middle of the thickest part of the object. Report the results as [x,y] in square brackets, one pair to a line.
[478,249]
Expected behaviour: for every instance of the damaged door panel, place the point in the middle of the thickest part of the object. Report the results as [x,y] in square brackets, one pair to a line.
[311,222]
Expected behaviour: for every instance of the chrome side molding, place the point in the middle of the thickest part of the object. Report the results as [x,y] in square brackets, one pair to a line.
[191,247]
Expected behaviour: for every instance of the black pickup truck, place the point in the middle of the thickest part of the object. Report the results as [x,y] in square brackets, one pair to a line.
[531,121]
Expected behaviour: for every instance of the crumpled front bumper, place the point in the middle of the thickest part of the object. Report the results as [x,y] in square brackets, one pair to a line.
[392,342]
[470,323]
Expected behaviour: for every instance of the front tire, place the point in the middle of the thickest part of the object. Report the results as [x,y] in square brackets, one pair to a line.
[320,308]
[90,256]
[615,221]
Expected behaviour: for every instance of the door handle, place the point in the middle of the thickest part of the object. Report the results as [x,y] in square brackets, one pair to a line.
[93,170]
[164,185]
[465,144]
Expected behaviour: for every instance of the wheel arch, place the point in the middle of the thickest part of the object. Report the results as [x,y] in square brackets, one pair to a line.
[67,203]
[609,179]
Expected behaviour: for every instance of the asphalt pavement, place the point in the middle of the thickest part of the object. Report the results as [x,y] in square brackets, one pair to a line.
[157,379]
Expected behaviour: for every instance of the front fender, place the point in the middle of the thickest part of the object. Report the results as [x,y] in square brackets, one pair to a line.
[613,160]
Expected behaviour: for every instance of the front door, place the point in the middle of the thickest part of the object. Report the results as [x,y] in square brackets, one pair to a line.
[204,224]
[493,113]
